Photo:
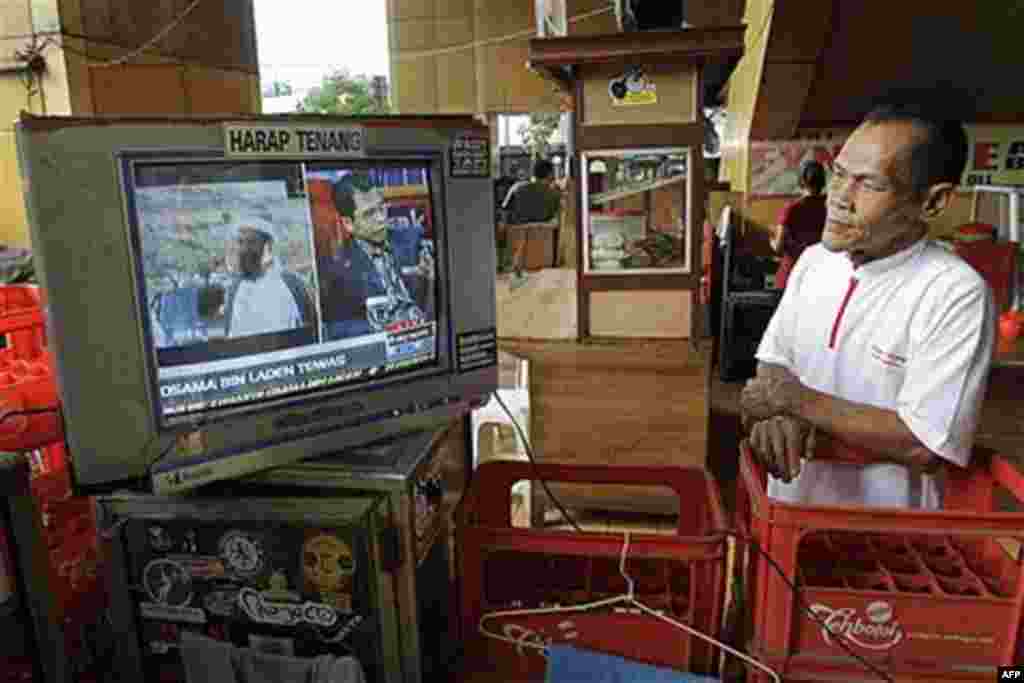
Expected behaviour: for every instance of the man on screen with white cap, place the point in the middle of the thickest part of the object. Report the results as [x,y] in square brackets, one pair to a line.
[265,298]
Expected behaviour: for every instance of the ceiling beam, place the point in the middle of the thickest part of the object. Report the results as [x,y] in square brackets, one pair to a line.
[796,41]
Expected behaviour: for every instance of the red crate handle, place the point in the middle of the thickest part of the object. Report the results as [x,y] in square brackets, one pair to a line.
[488,502]
[950,521]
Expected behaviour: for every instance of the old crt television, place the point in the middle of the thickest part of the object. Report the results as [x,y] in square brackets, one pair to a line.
[227,296]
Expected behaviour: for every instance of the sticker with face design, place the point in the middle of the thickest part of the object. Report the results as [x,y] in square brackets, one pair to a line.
[159,539]
[242,553]
[328,567]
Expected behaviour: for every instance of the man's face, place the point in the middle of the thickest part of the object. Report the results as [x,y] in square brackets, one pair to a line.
[371,219]
[871,206]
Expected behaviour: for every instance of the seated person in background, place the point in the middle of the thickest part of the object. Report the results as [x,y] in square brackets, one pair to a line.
[883,340]
[264,298]
[535,201]
[363,280]
[801,222]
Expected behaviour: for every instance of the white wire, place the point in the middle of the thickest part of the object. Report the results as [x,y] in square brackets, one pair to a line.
[608,602]
[161,34]
[403,56]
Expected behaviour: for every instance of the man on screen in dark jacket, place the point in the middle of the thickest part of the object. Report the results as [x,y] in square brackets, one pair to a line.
[366,282]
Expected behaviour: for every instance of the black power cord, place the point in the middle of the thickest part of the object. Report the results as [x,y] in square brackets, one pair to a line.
[803,605]
[159,458]
[841,639]
[533,463]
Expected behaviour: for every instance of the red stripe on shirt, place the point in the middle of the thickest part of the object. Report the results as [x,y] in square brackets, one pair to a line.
[839,315]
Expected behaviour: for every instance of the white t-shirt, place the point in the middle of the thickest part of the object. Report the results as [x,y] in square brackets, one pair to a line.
[264,305]
[913,332]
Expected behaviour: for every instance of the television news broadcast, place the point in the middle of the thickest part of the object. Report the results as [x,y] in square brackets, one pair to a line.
[273,279]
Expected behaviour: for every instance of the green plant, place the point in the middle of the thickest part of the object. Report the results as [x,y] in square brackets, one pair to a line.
[340,92]
[538,131]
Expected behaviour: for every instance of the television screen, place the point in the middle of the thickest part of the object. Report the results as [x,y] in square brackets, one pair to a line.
[264,280]
[229,295]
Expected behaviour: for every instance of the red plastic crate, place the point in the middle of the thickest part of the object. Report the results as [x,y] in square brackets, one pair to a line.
[505,567]
[927,594]
[996,262]
[22,322]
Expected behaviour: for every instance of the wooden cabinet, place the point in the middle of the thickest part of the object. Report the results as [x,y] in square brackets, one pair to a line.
[616,403]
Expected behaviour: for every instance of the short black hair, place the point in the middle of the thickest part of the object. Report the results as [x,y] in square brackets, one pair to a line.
[812,176]
[942,155]
[343,193]
[542,168]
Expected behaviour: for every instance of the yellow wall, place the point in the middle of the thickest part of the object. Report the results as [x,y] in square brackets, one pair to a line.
[18,18]
[490,78]
[212,76]
[744,86]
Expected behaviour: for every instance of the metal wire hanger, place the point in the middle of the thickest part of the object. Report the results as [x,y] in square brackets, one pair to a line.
[628,598]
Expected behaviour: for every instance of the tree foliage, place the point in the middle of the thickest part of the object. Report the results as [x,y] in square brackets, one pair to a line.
[340,92]
[538,131]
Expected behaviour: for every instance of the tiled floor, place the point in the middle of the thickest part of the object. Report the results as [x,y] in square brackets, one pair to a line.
[541,306]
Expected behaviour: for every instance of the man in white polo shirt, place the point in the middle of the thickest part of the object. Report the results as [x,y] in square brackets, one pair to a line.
[883,339]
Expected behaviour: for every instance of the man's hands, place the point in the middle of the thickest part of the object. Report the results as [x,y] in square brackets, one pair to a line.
[775,413]
[778,438]
[780,443]
[773,392]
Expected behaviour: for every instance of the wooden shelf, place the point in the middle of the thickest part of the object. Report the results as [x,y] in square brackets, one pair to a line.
[613,195]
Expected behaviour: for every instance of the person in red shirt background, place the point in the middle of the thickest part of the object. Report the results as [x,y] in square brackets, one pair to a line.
[801,221]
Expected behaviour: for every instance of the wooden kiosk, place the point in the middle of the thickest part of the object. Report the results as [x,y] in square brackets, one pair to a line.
[638,134]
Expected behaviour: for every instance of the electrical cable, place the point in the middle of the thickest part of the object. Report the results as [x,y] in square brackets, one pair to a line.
[519,35]
[160,35]
[803,605]
[166,59]
[839,638]
[163,454]
[533,463]
[397,56]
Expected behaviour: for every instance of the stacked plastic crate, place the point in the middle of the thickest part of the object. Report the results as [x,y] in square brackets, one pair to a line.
[921,596]
[680,575]
[68,523]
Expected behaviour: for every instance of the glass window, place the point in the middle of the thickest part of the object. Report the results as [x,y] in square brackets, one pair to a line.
[636,211]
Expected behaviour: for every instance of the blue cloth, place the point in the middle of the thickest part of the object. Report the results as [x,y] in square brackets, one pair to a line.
[567,664]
